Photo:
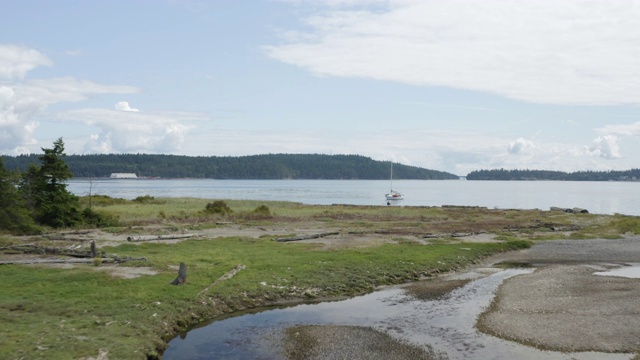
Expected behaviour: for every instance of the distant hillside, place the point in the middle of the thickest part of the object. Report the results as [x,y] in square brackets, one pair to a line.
[271,166]
[502,174]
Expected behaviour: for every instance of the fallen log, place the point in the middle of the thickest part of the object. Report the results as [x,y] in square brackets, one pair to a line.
[34,249]
[46,261]
[159,237]
[307,237]
[453,235]
[17,246]
[228,275]
[113,259]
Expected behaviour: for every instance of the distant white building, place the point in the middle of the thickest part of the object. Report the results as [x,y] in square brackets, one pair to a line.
[123,176]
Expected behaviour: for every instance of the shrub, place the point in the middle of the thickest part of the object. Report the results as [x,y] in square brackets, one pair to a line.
[145,199]
[262,210]
[93,218]
[629,224]
[218,207]
[100,200]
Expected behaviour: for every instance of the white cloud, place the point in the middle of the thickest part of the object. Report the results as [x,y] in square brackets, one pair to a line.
[520,146]
[124,129]
[15,131]
[124,106]
[133,131]
[17,61]
[561,52]
[621,130]
[22,103]
[605,146]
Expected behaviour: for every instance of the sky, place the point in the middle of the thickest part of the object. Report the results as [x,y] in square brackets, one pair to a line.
[455,85]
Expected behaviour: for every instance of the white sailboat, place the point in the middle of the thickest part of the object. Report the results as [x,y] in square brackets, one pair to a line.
[393,195]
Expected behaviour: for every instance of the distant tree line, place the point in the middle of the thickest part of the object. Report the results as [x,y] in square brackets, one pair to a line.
[503,174]
[268,166]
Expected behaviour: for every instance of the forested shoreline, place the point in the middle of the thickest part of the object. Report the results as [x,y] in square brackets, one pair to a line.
[289,166]
[508,175]
[268,167]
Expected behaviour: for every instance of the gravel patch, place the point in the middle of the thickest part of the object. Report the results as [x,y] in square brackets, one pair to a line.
[326,342]
[563,306]
[567,308]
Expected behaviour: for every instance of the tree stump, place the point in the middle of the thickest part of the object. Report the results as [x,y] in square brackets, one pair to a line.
[182,275]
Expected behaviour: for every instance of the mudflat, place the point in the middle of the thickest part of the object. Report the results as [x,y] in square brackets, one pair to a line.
[565,305]
[561,306]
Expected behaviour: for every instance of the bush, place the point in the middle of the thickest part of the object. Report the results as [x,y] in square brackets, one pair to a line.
[100,200]
[145,199]
[90,217]
[628,224]
[218,207]
[262,210]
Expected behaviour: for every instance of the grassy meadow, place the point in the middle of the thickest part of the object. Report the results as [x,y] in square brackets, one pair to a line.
[74,312]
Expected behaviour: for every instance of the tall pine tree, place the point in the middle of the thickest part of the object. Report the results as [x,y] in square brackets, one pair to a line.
[45,190]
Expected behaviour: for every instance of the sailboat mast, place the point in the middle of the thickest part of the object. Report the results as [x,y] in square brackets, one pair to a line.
[391,176]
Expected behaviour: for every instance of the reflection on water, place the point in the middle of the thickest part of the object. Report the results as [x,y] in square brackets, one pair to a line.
[446,324]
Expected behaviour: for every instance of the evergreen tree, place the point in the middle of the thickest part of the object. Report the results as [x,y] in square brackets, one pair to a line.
[45,190]
[14,215]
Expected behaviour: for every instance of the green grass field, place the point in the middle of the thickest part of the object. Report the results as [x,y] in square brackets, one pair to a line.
[77,312]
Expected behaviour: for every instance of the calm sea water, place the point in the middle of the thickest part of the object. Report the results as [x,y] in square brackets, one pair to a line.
[597,197]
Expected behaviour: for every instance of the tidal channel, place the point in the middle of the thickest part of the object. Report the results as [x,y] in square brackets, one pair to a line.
[445,326]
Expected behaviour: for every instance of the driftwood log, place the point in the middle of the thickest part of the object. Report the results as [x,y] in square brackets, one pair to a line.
[453,235]
[182,275]
[111,259]
[307,237]
[77,256]
[159,237]
[228,275]
[45,250]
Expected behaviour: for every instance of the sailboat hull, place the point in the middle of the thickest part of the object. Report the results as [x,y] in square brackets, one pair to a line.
[394,196]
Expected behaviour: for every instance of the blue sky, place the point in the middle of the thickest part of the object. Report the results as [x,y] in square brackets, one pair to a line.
[457,85]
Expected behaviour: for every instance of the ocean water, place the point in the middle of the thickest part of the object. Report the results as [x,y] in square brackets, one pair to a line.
[596,197]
